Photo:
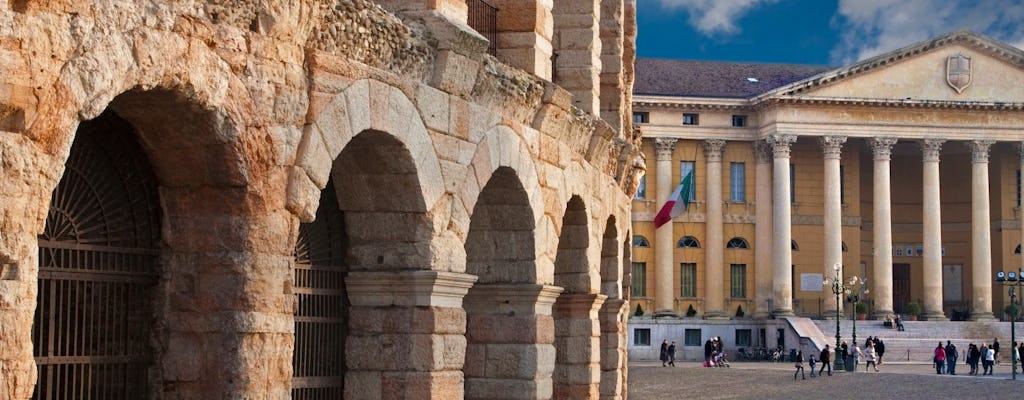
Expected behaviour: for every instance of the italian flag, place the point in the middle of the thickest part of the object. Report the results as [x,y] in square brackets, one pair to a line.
[677,202]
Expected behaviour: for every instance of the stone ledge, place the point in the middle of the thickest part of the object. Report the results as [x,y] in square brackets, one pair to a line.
[416,288]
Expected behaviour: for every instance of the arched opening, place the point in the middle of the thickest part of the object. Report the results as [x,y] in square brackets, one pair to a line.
[577,349]
[613,343]
[640,241]
[737,243]
[501,252]
[98,269]
[322,306]
[688,242]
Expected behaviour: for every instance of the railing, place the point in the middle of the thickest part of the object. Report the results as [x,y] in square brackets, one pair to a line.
[483,17]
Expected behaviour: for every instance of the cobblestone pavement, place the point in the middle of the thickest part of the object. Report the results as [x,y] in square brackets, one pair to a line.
[650,381]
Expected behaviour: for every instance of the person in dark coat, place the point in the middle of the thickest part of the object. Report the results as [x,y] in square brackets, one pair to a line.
[880,348]
[672,354]
[995,349]
[708,349]
[826,358]
[664,353]
[844,351]
[952,355]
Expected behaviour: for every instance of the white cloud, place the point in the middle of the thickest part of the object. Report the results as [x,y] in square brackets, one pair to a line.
[872,27]
[714,17]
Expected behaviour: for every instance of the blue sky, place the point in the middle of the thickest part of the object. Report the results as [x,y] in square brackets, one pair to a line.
[817,32]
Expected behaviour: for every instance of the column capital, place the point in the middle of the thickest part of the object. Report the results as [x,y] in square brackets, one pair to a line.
[663,148]
[763,152]
[979,149]
[832,146]
[882,147]
[781,144]
[930,149]
[713,150]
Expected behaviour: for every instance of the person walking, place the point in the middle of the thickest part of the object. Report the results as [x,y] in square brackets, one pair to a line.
[799,365]
[995,350]
[952,355]
[708,349]
[880,349]
[826,361]
[870,357]
[844,351]
[672,354]
[973,354]
[988,357]
[940,359]
[664,353]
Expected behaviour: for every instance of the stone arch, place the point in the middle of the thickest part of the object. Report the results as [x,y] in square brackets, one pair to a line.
[611,268]
[612,313]
[573,270]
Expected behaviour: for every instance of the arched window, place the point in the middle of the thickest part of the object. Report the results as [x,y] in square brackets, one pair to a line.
[688,242]
[844,247]
[793,246]
[737,243]
[640,241]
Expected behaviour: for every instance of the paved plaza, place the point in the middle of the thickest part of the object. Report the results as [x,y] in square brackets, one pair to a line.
[762,380]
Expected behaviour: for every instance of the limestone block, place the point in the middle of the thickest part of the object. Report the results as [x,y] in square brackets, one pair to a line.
[433,106]
[358,97]
[454,73]
[312,156]
[334,126]
[454,352]
[492,388]
[511,361]
[303,195]
[576,327]
[422,385]
[524,16]
[363,384]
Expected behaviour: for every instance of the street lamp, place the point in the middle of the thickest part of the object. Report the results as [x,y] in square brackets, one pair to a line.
[836,282]
[855,289]
[1011,280]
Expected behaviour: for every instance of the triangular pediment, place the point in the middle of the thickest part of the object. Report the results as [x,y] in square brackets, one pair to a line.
[959,67]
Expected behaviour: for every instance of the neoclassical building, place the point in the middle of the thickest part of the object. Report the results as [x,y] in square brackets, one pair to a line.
[309,199]
[903,169]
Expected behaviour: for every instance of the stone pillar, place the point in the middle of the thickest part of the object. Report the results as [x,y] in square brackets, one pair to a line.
[981,232]
[763,229]
[613,82]
[832,148]
[882,230]
[577,346]
[1020,211]
[578,51]
[714,289]
[782,256]
[525,29]
[613,348]
[663,237]
[406,334]
[510,322]
[455,10]
[930,149]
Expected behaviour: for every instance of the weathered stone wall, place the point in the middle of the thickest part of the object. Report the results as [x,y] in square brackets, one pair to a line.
[246,109]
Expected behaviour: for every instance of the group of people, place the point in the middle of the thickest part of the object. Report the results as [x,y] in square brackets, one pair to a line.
[872,354]
[668,353]
[714,355]
[985,354]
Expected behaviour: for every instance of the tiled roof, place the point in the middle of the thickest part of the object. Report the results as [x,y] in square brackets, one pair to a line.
[715,79]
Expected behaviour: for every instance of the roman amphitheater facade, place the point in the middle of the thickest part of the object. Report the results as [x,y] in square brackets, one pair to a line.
[315,199]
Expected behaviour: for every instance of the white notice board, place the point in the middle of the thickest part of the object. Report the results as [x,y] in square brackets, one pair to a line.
[810,282]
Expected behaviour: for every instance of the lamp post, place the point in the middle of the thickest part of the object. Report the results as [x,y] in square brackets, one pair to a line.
[854,292]
[837,289]
[1012,280]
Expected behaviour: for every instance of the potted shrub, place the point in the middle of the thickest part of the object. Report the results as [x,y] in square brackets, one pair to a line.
[690,312]
[1012,311]
[862,311]
[913,310]
[639,311]
[739,311]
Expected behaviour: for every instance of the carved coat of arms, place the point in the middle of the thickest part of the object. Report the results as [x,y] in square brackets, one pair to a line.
[958,72]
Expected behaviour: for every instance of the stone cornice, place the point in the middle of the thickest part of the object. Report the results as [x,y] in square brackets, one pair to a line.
[696,103]
[889,103]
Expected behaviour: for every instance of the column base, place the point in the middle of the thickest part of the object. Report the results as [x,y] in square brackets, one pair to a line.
[665,313]
[982,317]
[762,315]
[882,314]
[719,315]
[782,312]
[934,316]
[831,315]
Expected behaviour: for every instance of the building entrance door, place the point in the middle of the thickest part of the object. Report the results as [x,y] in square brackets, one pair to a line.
[900,287]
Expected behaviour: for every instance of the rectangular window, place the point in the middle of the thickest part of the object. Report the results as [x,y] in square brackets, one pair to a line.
[792,183]
[641,117]
[690,119]
[738,281]
[685,167]
[641,337]
[688,280]
[739,120]
[692,338]
[641,189]
[743,338]
[639,284]
[737,182]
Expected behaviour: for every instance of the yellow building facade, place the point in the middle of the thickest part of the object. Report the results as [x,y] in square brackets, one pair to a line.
[902,170]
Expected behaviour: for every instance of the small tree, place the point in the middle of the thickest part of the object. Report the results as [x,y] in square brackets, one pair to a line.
[861,308]
[914,309]
[690,311]
[639,311]
[1012,310]
[739,311]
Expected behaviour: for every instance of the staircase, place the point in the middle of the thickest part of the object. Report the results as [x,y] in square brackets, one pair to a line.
[917,343]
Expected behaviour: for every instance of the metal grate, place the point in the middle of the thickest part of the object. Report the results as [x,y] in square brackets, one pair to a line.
[321,314]
[98,270]
[483,17]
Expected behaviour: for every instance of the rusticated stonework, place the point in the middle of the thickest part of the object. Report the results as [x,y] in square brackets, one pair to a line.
[462,210]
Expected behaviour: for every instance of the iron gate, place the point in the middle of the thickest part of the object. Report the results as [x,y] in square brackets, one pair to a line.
[321,324]
[97,270]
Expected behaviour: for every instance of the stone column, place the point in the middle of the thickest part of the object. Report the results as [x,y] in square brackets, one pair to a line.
[882,230]
[714,292]
[832,148]
[577,61]
[782,256]
[763,229]
[663,239]
[981,232]
[613,348]
[406,334]
[930,149]
[525,29]
[510,321]
[577,346]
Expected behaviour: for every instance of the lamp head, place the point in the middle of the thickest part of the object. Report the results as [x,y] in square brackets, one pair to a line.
[1011,276]
[1000,276]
